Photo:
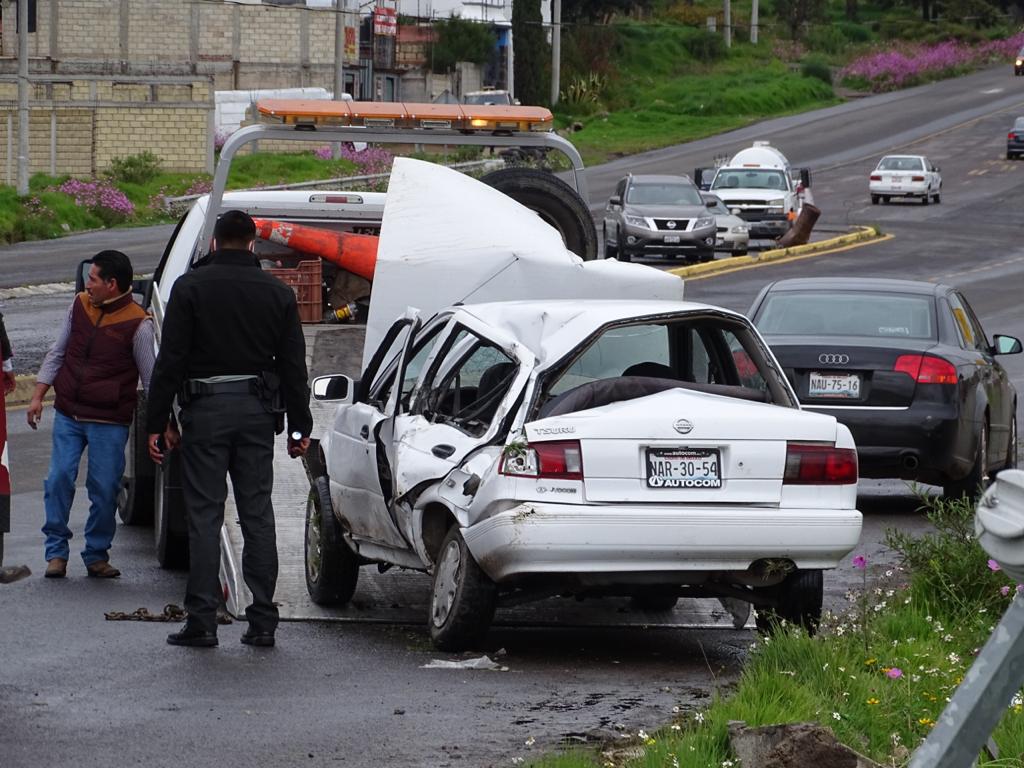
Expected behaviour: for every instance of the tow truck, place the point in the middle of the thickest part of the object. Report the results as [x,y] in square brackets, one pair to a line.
[152,494]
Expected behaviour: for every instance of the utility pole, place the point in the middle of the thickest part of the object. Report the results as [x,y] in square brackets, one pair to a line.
[339,48]
[727,22]
[556,49]
[22,97]
[753,22]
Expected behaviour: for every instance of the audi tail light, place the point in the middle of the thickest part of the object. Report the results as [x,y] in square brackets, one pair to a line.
[917,178]
[876,177]
[556,459]
[1011,135]
[926,369]
[818,464]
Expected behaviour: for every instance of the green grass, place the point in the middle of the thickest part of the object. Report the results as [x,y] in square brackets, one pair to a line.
[878,674]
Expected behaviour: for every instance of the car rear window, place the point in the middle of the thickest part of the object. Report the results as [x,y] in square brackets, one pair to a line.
[663,194]
[1018,124]
[900,164]
[847,313]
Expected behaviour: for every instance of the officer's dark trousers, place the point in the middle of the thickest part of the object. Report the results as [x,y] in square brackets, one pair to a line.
[229,434]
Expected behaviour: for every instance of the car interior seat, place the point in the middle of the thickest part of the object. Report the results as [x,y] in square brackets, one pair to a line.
[494,383]
[650,370]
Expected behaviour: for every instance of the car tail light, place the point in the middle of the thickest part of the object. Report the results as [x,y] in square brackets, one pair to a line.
[917,178]
[876,177]
[926,369]
[817,464]
[561,459]
[1011,135]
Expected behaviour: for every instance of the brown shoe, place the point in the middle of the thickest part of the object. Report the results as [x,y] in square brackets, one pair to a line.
[102,570]
[56,568]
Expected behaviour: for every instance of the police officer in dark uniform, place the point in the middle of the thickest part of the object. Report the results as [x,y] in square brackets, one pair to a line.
[233,352]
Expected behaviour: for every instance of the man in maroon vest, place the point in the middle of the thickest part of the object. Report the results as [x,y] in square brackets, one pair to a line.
[106,344]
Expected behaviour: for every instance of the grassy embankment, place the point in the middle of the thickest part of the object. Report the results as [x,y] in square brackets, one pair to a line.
[879,675]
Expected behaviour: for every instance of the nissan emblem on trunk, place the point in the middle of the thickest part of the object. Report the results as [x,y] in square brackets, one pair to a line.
[682,426]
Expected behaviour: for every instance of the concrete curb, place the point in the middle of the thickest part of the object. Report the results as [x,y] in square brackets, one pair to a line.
[862,234]
[22,394]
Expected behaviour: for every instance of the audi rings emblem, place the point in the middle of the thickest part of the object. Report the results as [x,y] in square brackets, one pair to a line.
[833,359]
[682,426]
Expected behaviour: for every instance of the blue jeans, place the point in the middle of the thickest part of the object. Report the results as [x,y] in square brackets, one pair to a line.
[106,444]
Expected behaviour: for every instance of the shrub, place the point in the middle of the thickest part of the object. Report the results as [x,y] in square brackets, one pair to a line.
[855,33]
[826,39]
[135,169]
[703,45]
[583,90]
[813,66]
[108,203]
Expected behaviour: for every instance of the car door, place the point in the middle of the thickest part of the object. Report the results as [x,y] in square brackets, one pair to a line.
[996,382]
[357,463]
[451,414]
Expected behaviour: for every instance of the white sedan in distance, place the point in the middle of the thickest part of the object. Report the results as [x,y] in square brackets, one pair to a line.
[907,176]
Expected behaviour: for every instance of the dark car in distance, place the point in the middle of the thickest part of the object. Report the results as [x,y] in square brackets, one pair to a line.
[1015,139]
[906,366]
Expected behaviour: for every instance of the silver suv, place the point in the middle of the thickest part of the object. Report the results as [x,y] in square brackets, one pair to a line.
[658,215]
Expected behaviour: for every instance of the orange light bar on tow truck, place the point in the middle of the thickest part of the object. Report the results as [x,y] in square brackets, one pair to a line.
[396,114]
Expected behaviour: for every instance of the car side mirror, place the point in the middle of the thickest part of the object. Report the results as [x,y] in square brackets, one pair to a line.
[615,200]
[1006,345]
[335,388]
[710,204]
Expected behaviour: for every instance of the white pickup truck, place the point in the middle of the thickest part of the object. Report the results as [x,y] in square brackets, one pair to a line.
[759,185]
[152,494]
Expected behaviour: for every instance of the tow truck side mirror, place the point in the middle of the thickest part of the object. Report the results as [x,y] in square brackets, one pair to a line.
[615,200]
[699,180]
[336,388]
[805,177]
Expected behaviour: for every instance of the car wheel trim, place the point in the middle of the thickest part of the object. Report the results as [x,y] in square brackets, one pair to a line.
[446,584]
[314,543]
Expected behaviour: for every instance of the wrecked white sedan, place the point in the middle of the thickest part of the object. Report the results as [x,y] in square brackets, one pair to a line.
[588,447]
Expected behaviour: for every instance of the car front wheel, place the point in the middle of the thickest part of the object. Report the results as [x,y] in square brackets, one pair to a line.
[463,599]
[332,569]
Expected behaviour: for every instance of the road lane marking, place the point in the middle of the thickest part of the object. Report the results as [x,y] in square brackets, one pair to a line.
[980,268]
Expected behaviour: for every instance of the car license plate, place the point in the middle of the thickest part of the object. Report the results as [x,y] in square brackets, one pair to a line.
[833,385]
[671,238]
[683,468]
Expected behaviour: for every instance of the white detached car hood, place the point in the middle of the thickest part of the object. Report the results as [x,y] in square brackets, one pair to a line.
[447,238]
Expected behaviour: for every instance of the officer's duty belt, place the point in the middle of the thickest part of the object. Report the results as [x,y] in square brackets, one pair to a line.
[195,388]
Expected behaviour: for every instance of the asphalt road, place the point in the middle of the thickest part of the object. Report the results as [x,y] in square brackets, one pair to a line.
[74,688]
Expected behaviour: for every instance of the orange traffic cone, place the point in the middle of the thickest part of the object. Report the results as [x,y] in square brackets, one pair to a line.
[356,253]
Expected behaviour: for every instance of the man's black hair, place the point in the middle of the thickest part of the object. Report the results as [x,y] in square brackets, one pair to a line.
[235,227]
[114,264]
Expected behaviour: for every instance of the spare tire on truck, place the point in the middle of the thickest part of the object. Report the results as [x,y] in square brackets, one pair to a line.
[554,201]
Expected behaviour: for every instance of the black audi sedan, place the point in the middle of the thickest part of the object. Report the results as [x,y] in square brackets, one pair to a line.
[906,366]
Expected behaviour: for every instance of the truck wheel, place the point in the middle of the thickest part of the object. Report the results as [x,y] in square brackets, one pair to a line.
[554,201]
[332,569]
[463,600]
[610,251]
[169,531]
[135,500]
[799,600]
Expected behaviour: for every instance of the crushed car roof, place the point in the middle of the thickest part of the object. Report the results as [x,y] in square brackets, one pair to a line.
[447,238]
[552,328]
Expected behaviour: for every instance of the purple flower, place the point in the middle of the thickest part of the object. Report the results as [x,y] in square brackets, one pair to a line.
[860,562]
[1004,590]
[98,196]
[894,673]
[993,565]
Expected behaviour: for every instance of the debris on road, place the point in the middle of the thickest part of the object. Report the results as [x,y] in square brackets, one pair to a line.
[483,662]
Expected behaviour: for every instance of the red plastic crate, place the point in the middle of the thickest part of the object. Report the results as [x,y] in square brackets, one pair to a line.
[305,280]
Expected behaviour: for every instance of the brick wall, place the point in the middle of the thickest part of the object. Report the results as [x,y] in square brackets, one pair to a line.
[93,120]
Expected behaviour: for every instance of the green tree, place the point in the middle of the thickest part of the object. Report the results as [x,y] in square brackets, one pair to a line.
[531,52]
[795,13]
[460,40]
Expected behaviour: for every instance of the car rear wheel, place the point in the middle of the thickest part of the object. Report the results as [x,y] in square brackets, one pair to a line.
[938,198]
[1009,156]
[926,199]
[972,485]
[875,199]
[886,199]
[332,569]
[1011,446]
[798,601]
[463,599]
